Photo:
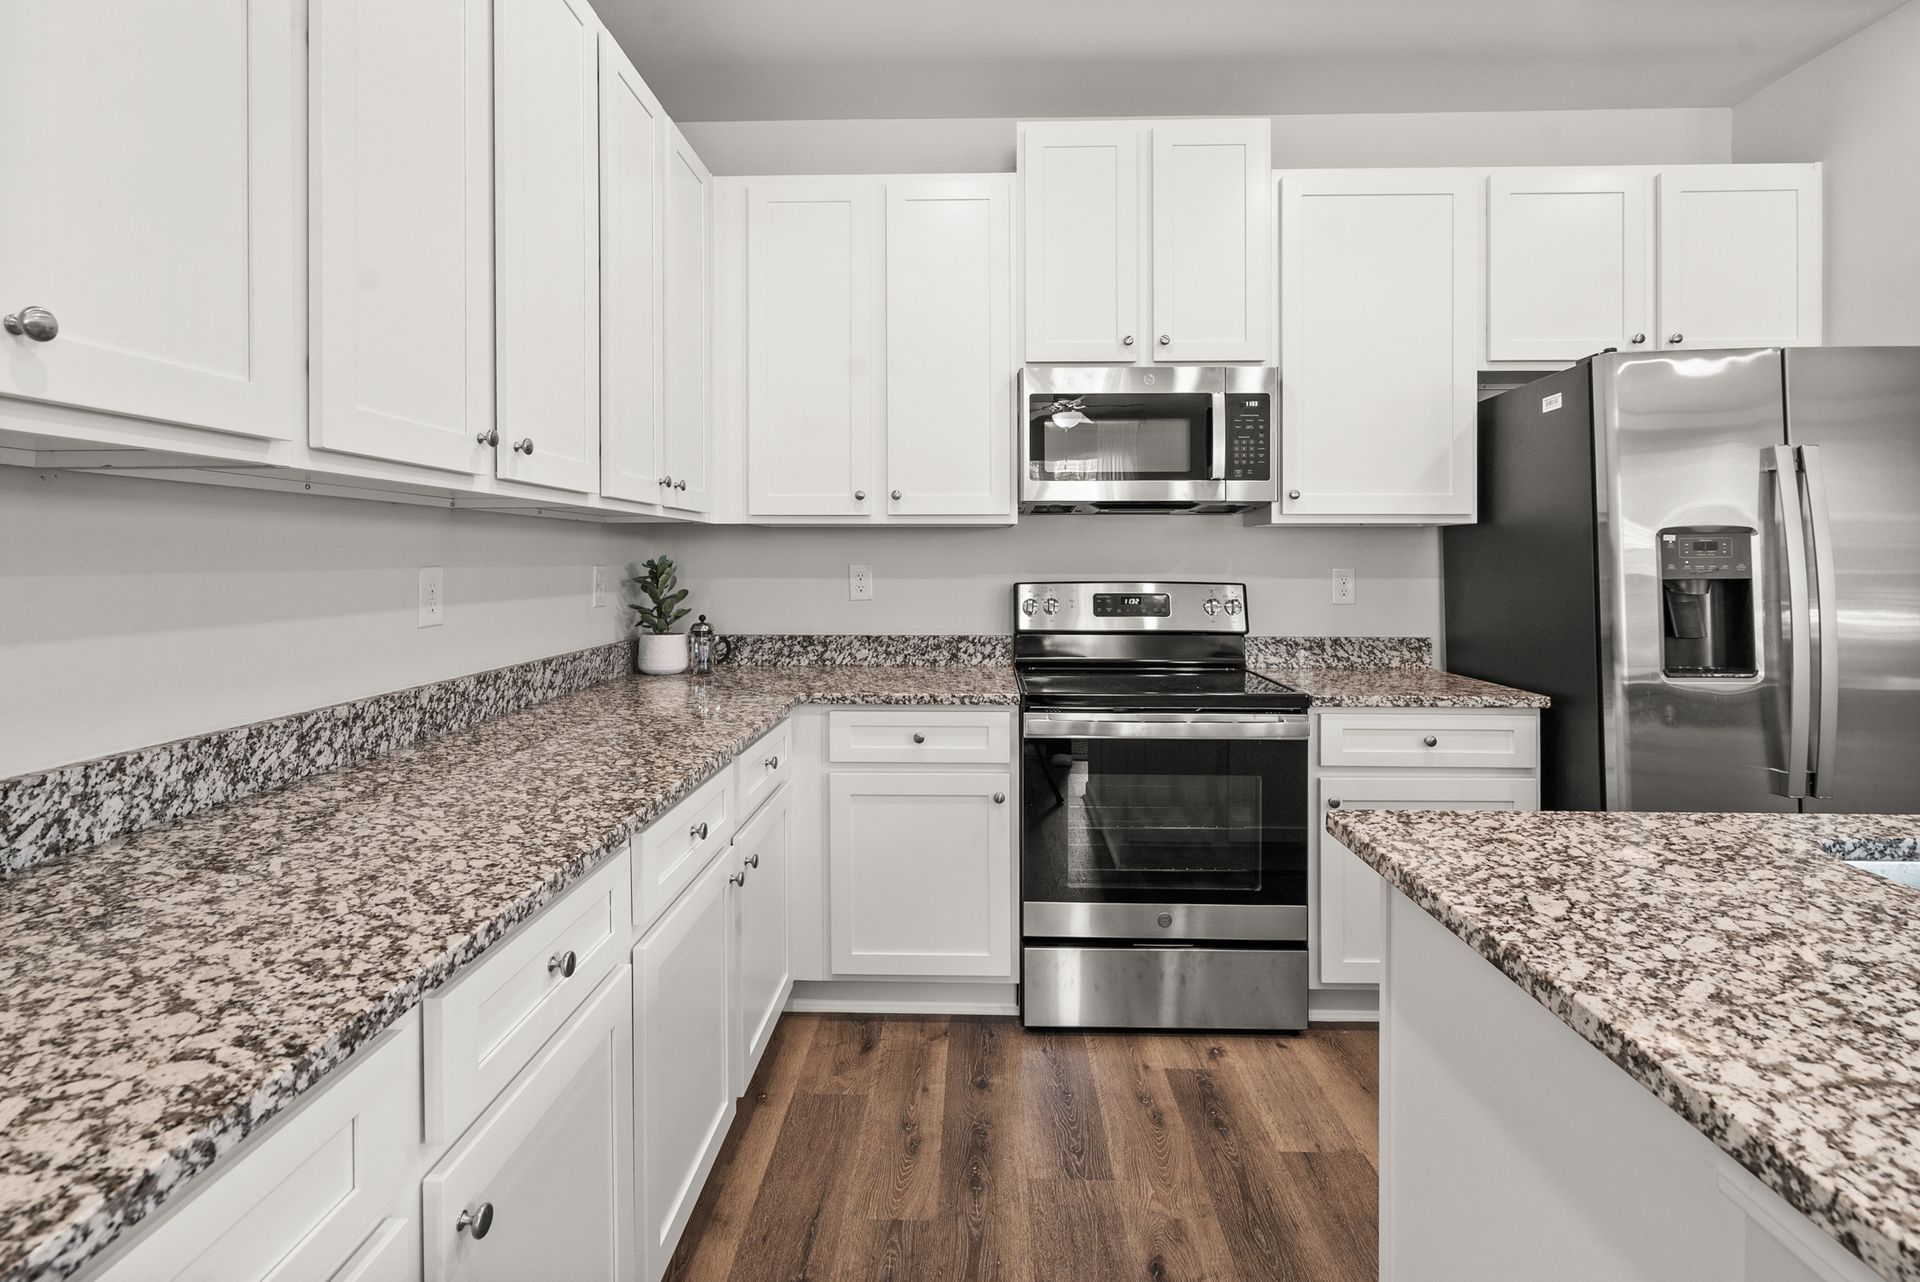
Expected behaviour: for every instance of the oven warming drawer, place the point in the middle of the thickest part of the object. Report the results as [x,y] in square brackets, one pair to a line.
[1269,923]
[1149,986]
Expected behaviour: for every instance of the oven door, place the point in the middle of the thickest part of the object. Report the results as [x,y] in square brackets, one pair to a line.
[1134,446]
[1152,826]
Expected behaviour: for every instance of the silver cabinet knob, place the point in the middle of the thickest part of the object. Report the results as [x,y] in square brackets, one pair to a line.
[524,446]
[771,763]
[1432,741]
[1675,338]
[1127,341]
[753,860]
[666,480]
[896,496]
[565,963]
[737,879]
[477,1220]
[698,832]
[999,798]
[36,323]
[489,437]
[1293,494]
[680,484]
[860,496]
[1165,339]
[1638,338]
[1333,803]
[918,737]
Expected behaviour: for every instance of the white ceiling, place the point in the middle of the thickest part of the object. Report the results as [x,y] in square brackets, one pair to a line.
[857,59]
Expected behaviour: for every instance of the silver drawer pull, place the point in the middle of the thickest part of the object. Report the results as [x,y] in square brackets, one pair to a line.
[565,963]
[1432,741]
[771,763]
[477,1220]
[698,832]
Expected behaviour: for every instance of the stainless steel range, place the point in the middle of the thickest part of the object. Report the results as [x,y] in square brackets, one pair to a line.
[1164,860]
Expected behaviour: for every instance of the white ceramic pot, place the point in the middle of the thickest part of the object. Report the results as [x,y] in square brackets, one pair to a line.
[663,655]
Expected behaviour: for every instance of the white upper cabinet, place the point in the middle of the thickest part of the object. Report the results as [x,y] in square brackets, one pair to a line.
[1740,254]
[1569,263]
[1378,319]
[400,125]
[686,468]
[1205,203]
[949,347]
[810,349]
[1081,200]
[149,155]
[1212,238]
[547,242]
[632,245]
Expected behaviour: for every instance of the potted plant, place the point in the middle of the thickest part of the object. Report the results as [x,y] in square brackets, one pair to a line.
[662,650]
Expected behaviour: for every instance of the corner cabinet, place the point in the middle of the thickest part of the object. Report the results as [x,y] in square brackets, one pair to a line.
[547,242]
[151,157]
[1206,295]
[686,475]
[632,251]
[1378,338]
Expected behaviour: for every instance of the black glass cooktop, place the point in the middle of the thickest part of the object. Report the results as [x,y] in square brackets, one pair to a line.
[1150,688]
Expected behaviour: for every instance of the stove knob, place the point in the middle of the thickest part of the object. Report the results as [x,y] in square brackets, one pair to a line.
[1211,606]
[1028,606]
[1233,605]
[1053,605]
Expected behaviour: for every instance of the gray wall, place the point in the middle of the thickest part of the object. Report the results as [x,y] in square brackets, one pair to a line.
[1856,108]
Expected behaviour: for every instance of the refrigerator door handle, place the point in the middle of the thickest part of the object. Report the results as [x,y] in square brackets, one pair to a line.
[1783,463]
[1827,599]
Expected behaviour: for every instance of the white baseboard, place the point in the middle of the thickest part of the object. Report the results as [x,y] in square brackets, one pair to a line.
[1343,1005]
[902,997]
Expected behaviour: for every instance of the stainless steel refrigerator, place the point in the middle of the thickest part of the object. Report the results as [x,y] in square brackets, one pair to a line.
[1711,561]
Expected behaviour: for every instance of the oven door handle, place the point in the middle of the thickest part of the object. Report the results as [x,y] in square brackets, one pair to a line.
[1163,725]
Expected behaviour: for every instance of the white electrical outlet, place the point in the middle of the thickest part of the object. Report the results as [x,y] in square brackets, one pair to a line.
[1343,587]
[600,577]
[433,596]
[859,583]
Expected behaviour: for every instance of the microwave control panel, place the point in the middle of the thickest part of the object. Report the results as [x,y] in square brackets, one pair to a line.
[1249,436]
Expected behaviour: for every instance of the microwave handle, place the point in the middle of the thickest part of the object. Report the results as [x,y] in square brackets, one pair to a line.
[1217,431]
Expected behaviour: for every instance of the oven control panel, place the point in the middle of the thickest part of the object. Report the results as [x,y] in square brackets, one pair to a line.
[1130,607]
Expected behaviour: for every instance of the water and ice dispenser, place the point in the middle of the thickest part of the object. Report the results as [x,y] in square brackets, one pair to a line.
[1706,586]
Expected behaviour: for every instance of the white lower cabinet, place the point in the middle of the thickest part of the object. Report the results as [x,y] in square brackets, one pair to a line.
[683,1092]
[541,1186]
[762,969]
[920,866]
[328,1193]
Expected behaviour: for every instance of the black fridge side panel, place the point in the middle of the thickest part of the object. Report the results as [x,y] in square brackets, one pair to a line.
[1521,587]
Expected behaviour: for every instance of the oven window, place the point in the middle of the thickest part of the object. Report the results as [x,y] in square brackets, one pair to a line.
[1116,820]
[1114,437]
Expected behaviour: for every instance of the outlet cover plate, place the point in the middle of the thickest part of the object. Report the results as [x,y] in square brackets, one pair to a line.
[1343,587]
[859,583]
[433,596]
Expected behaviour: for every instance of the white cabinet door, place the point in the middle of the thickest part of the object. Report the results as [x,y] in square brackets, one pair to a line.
[149,155]
[921,873]
[763,970]
[544,1178]
[632,249]
[1569,263]
[1377,342]
[1080,189]
[547,165]
[687,484]
[1351,928]
[949,347]
[1212,238]
[810,349]
[401,130]
[684,1090]
[1740,250]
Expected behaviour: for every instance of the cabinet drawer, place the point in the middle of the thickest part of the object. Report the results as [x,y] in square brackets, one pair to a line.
[311,1196]
[1476,740]
[944,735]
[677,845]
[484,1027]
[760,770]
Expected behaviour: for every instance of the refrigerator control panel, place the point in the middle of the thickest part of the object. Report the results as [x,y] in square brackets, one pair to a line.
[1706,553]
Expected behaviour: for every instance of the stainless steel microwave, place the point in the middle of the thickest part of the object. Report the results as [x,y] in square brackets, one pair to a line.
[1130,438]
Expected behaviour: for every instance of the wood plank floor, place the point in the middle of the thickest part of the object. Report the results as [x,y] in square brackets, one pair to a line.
[901,1149]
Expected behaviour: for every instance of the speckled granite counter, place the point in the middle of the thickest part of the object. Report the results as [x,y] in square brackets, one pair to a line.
[1400,687]
[1766,992]
[164,995]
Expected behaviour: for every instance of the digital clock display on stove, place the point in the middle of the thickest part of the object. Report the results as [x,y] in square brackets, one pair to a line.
[1128,605]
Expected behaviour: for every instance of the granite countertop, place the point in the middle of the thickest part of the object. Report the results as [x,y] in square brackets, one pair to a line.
[165,994]
[1400,687]
[1765,991]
